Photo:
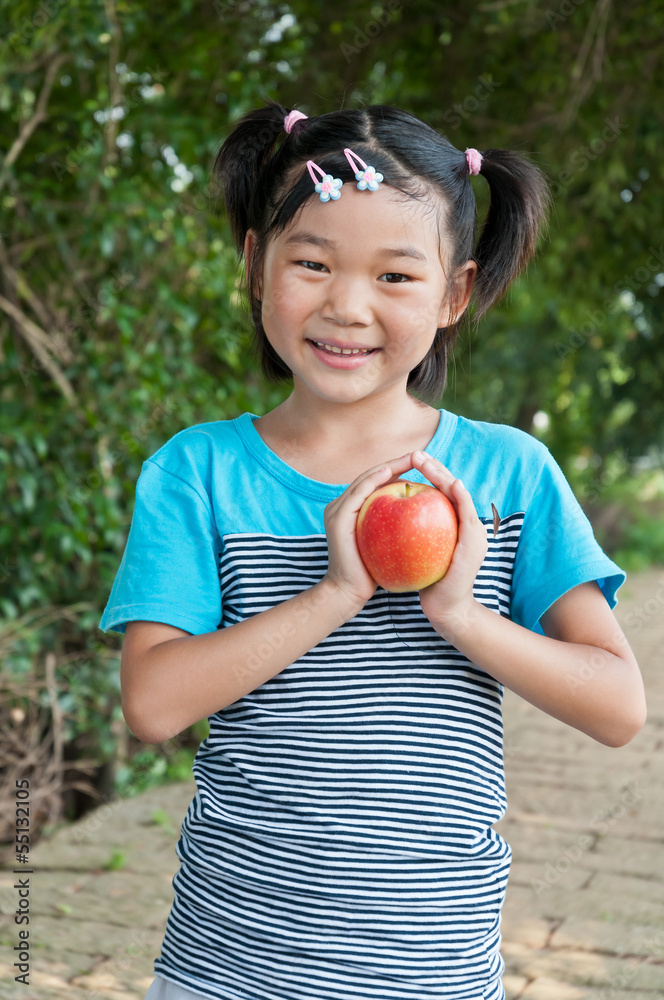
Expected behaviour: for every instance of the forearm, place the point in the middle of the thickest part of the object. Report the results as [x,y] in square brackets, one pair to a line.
[186,679]
[585,686]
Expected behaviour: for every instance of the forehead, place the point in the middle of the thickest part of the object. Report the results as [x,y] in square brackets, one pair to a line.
[367,222]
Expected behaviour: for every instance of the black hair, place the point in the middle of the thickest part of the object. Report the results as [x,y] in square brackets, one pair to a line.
[263,187]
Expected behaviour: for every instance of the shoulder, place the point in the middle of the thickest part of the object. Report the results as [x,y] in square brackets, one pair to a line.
[192,453]
[503,441]
[498,463]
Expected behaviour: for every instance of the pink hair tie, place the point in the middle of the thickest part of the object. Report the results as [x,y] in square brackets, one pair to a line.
[474,160]
[291,118]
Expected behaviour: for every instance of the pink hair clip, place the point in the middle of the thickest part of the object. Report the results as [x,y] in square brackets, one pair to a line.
[328,187]
[369,178]
[291,118]
[474,160]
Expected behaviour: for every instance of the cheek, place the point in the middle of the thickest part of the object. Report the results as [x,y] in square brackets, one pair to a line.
[285,299]
[421,314]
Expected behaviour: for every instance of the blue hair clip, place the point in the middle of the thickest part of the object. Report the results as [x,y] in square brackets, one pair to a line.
[369,178]
[328,187]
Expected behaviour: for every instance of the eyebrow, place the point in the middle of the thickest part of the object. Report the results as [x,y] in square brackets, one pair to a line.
[326,244]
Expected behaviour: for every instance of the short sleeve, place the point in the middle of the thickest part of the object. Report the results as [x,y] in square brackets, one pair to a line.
[169,569]
[557,550]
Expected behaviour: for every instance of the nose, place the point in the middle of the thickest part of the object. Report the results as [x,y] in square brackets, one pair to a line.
[348,301]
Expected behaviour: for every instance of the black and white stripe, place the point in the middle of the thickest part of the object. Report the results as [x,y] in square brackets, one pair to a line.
[340,844]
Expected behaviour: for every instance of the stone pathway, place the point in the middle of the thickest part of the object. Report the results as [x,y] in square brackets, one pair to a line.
[584,915]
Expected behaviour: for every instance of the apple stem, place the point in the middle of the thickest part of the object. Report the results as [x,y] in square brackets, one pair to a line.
[407,488]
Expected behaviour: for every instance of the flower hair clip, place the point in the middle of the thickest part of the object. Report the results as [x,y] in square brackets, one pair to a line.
[369,178]
[328,187]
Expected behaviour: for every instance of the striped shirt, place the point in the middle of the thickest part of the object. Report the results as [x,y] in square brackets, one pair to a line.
[340,844]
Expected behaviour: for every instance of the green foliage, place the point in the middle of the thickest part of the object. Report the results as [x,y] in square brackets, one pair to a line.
[116,862]
[120,318]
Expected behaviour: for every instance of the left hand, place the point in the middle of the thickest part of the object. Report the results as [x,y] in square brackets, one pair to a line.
[451,598]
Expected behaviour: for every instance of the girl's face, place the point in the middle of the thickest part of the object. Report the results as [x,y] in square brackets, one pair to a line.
[361,272]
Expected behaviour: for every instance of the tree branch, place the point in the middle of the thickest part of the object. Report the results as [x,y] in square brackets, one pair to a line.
[110,153]
[28,127]
[597,24]
[40,343]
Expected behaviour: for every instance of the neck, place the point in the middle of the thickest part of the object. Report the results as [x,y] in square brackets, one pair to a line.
[305,416]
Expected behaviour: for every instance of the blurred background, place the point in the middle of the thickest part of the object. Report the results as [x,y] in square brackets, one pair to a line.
[121,319]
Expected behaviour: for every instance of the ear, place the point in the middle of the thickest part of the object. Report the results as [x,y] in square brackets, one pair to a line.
[456,303]
[249,247]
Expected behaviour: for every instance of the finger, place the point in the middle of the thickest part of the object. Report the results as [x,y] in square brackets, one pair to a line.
[437,474]
[465,505]
[395,467]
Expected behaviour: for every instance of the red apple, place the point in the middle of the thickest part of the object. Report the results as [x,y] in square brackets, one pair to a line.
[406,533]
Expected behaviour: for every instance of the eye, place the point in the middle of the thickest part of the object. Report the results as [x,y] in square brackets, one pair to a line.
[313,263]
[395,274]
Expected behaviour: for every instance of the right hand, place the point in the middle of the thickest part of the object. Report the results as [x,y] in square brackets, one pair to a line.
[345,567]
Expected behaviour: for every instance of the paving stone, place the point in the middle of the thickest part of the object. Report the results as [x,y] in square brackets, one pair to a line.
[514,986]
[534,842]
[549,989]
[531,930]
[531,875]
[622,937]
[636,896]
[544,988]
[105,897]
[130,973]
[125,827]
[584,968]
[629,856]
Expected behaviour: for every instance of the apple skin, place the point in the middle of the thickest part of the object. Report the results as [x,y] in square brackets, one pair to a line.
[406,534]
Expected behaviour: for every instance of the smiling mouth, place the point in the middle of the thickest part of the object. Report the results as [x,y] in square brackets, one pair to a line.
[343,350]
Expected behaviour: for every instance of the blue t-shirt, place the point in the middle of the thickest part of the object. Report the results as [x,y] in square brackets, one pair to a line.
[340,841]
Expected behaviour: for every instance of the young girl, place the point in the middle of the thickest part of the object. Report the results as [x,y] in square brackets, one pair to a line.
[340,844]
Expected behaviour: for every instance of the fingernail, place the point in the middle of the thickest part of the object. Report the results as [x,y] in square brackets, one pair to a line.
[420,456]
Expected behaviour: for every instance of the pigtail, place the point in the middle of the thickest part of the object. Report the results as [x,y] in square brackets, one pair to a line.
[238,165]
[520,202]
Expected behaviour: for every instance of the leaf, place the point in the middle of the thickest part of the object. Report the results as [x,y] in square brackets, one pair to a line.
[496,520]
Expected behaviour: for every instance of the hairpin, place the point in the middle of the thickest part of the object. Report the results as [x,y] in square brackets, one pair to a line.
[474,161]
[328,187]
[367,178]
[291,118]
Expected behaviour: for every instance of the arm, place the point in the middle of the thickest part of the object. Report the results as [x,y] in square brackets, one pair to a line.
[582,671]
[171,679]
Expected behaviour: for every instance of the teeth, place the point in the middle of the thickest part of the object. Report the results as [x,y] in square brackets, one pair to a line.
[342,350]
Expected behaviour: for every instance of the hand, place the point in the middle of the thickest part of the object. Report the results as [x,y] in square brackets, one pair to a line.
[450,600]
[345,567]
